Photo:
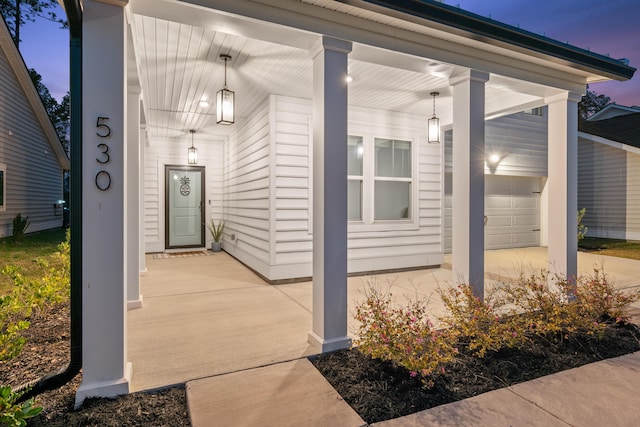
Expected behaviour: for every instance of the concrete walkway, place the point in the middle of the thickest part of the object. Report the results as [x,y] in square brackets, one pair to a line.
[212,323]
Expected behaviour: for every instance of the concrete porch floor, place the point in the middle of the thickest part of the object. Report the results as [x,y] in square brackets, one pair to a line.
[208,315]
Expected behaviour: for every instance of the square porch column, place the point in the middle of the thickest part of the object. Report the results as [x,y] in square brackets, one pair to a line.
[105,370]
[562,184]
[468,179]
[329,329]
[132,191]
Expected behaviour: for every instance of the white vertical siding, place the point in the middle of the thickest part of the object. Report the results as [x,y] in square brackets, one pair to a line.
[161,152]
[246,191]
[33,175]
[608,188]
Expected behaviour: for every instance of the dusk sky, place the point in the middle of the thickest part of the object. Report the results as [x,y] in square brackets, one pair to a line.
[606,27]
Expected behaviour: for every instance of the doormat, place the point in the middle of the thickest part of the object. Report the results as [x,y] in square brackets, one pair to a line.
[182,254]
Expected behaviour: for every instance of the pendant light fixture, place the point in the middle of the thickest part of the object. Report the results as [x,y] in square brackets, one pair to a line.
[225,98]
[193,152]
[434,123]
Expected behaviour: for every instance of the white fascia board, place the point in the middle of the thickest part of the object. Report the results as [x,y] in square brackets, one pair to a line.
[610,143]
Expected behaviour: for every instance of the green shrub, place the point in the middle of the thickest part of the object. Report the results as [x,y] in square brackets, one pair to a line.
[29,297]
[19,227]
[601,301]
[582,229]
[15,414]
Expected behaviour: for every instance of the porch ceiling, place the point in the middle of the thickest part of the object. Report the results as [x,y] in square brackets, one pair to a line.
[178,66]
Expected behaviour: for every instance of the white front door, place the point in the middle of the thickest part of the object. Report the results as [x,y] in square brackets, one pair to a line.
[184,207]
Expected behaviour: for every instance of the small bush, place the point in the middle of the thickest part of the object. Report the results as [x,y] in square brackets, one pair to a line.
[478,324]
[15,414]
[29,297]
[514,314]
[402,334]
[19,227]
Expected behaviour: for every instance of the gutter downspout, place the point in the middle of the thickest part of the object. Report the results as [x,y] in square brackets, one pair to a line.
[57,379]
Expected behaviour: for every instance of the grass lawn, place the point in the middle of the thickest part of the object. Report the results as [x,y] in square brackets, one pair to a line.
[25,253]
[612,247]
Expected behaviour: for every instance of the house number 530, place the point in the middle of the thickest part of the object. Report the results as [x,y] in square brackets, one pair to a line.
[103,178]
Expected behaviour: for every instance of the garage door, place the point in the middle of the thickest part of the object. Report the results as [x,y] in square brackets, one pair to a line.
[512,207]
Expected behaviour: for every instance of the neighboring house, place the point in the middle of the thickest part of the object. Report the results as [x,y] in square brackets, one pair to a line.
[613,110]
[609,174]
[328,168]
[32,159]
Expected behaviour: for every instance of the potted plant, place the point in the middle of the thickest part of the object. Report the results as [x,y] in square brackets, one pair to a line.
[216,234]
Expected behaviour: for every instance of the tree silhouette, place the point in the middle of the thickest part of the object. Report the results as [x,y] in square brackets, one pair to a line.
[17,12]
[591,103]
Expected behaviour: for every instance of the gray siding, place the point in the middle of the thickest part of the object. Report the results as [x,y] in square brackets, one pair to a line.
[608,188]
[34,175]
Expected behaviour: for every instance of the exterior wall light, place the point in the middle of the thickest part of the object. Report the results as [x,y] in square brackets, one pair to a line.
[225,99]
[193,152]
[494,159]
[434,123]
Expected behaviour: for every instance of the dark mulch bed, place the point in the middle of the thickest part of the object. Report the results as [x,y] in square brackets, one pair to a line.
[376,390]
[379,390]
[47,350]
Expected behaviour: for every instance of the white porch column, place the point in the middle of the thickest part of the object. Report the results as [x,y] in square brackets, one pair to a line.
[468,179]
[105,370]
[132,192]
[562,184]
[141,144]
[329,330]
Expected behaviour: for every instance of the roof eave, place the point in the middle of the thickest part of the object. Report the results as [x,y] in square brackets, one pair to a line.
[497,33]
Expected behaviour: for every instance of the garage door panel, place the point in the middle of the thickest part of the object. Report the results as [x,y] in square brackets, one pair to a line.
[498,221]
[528,220]
[497,202]
[512,207]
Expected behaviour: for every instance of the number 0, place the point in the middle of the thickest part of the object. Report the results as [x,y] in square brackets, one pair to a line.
[103,180]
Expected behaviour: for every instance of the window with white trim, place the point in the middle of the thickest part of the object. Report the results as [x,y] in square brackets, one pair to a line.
[3,187]
[380,179]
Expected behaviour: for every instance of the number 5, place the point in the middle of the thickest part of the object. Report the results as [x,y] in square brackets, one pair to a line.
[103,129]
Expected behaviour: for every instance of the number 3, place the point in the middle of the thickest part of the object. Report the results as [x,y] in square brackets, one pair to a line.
[104,131]
[104,149]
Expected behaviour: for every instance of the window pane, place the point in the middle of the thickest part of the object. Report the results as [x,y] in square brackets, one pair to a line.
[392,200]
[393,158]
[354,155]
[354,199]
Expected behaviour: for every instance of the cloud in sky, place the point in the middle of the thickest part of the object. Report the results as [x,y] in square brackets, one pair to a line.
[606,27]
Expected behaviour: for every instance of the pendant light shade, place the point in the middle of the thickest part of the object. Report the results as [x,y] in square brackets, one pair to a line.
[193,152]
[225,99]
[434,123]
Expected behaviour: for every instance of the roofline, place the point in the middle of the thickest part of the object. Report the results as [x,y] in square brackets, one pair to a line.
[497,33]
[611,106]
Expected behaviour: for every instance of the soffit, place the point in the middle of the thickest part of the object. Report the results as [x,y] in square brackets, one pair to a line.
[178,65]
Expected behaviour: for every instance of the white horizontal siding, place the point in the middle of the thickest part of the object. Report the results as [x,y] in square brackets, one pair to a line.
[608,188]
[165,151]
[246,191]
[33,173]
[519,139]
[368,250]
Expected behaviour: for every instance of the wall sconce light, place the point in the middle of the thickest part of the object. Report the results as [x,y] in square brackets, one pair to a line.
[434,123]
[494,159]
[193,152]
[225,98]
